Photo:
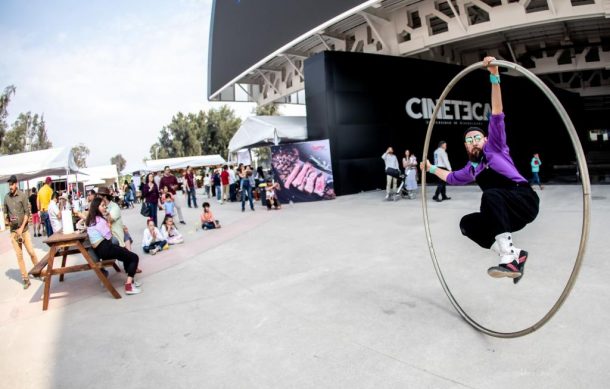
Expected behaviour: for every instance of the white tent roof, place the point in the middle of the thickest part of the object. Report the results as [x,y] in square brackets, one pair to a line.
[25,166]
[182,162]
[257,130]
[104,172]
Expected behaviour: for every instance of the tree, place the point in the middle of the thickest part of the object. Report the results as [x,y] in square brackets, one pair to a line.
[196,134]
[5,98]
[221,126]
[28,133]
[267,110]
[119,161]
[80,152]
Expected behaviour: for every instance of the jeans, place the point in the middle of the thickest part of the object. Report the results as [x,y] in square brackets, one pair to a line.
[218,192]
[152,208]
[535,178]
[190,194]
[159,244]
[46,222]
[233,192]
[246,188]
[18,247]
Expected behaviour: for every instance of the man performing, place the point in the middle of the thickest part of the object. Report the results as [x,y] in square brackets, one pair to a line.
[508,202]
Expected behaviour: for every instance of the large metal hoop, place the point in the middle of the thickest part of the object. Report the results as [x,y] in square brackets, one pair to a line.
[586,191]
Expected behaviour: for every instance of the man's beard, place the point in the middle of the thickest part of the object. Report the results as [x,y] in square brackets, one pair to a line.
[475,154]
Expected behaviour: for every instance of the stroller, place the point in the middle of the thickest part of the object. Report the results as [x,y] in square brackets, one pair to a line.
[402,191]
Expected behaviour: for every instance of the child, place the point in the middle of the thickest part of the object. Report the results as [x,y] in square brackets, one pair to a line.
[168,205]
[207,218]
[153,241]
[170,232]
[271,196]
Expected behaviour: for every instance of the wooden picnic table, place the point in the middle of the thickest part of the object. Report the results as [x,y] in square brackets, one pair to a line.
[62,245]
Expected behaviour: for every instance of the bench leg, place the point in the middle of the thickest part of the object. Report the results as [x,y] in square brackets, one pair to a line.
[63,264]
[97,271]
[47,279]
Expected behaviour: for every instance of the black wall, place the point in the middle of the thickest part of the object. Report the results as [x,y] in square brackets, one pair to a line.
[358,101]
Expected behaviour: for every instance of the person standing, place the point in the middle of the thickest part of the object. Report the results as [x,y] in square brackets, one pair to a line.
[536,163]
[17,214]
[171,182]
[44,198]
[189,181]
[232,184]
[224,180]
[150,194]
[206,184]
[34,210]
[217,187]
[441,159]
[409,162]
[391,170]
[246,188]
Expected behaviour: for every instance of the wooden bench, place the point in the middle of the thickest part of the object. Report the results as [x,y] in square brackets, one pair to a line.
[38,270]
[62,245]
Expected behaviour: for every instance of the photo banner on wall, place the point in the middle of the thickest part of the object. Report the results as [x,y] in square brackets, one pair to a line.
[303,171]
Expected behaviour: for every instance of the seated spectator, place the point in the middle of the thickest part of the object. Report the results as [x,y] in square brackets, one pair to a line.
[170,232]
[100,237]
[153,240]
[271,196]
[207,218]
[56,205]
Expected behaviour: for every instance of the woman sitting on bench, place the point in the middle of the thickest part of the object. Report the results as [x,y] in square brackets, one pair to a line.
[100,237]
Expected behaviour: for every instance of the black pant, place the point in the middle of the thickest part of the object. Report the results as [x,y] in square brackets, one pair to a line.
[441,190]
[502,210]
[107,250]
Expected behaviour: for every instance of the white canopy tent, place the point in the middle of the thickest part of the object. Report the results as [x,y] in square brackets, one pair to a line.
[258,130]
[105,174]
[154,165]
[55,161]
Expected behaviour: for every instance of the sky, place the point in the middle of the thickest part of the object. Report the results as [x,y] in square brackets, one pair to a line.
[108,74]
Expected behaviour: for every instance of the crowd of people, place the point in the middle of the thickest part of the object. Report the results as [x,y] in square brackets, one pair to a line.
[99,212]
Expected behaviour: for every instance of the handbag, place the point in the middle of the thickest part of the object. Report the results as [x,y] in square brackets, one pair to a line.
[392,172]
[145,211]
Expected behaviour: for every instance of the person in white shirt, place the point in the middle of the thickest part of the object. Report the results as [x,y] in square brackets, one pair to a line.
[153,240]
[56,205]
[441,159]
[391,170]
[170,232]
[232,184]
[206,184]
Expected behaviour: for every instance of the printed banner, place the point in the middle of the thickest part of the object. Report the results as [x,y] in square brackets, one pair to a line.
[303,171]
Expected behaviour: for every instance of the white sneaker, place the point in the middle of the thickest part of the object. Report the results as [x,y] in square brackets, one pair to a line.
[137,284]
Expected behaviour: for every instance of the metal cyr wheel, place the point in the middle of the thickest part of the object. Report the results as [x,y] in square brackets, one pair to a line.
[586,191]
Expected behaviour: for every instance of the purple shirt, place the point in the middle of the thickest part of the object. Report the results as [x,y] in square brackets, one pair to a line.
[497,157]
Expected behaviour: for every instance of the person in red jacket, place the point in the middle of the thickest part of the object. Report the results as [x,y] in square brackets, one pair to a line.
[171,182]
[224,180]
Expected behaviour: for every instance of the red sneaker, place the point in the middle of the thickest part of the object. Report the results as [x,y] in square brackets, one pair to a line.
[132,289]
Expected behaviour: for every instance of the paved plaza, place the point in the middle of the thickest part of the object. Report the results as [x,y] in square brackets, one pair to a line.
[335,294]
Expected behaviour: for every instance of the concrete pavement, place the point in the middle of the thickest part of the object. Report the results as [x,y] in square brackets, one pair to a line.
[336,294]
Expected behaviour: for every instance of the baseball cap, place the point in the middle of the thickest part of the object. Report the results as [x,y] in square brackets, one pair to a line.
[12,179]
[48,180]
